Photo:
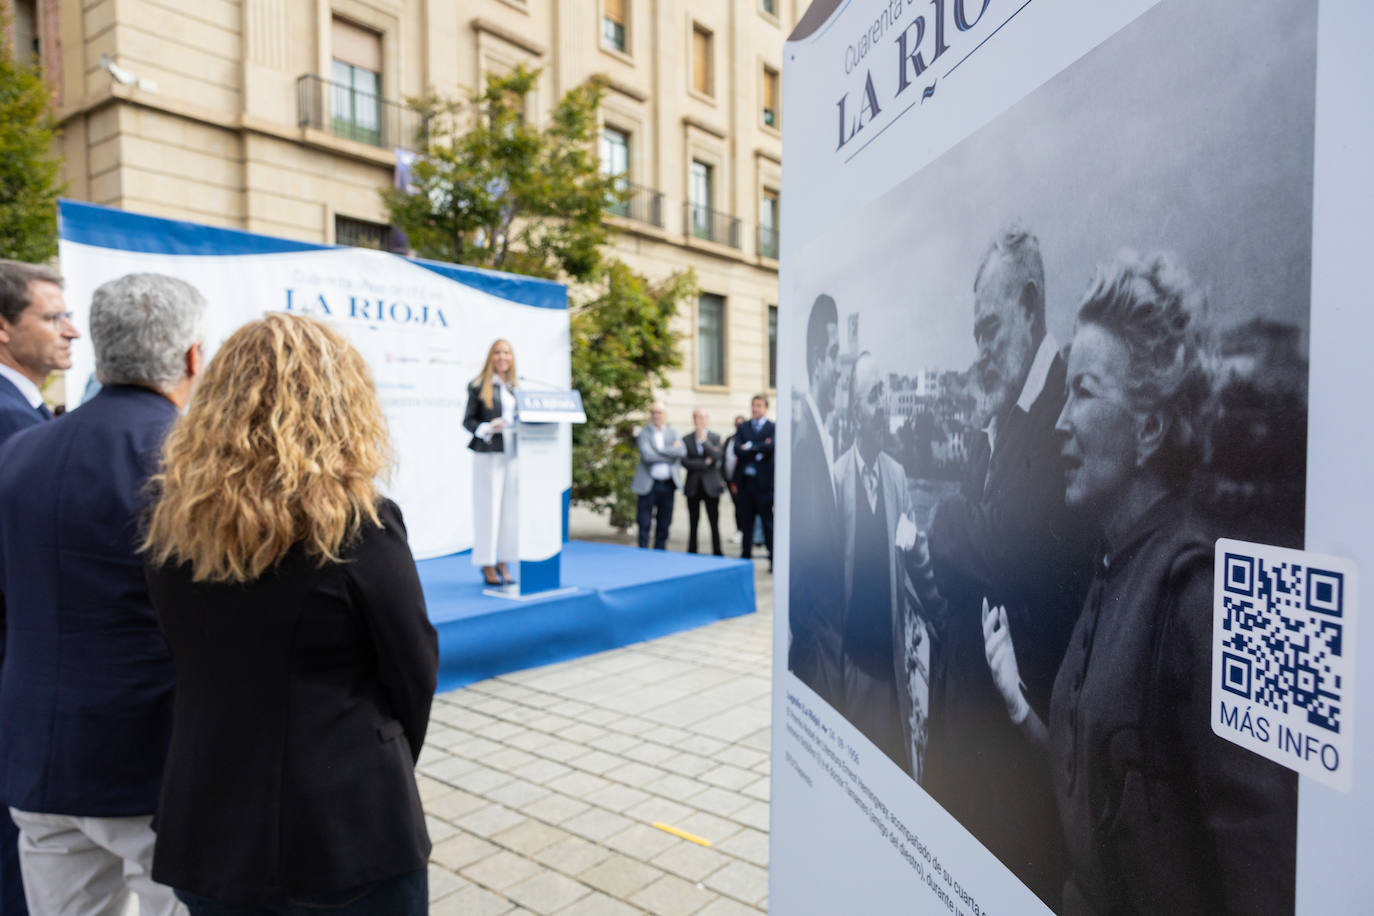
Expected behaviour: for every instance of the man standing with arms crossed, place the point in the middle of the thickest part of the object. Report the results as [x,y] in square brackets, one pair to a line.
[754,472]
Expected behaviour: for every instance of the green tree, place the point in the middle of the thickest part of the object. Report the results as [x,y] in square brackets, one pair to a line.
[28,170]
[623,345]
[491,189]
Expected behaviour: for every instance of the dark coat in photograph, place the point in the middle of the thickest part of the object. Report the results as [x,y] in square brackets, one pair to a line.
[816,572]
[86,681]
[1161,814]
[476,413]
[1006,536]
[703,480]
[302,701]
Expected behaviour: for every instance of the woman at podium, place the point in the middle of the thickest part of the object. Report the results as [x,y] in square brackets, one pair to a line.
[490,412]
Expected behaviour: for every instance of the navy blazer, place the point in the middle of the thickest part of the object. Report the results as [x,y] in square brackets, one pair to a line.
[86,679]
[16,412]
[759,454]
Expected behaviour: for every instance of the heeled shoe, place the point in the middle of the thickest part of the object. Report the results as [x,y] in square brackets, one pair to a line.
[506,577]
[491,575]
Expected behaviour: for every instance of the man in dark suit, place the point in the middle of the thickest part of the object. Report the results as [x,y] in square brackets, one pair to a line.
[704,481]
[36,332]
[86,680]
[815,572]
[731,464]
[754,475]
[1007,537]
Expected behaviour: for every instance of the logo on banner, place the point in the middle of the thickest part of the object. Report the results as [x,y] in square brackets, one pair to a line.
[901,46]
[376,310]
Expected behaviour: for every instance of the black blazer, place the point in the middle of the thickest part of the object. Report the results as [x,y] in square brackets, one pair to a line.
[301,704]
[478,413]
[703,479]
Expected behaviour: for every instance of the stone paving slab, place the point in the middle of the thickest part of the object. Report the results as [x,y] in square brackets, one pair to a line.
[542,787]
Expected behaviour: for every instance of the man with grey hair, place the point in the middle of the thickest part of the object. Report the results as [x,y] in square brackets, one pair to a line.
[86,680]
[36,334]
[1007,538]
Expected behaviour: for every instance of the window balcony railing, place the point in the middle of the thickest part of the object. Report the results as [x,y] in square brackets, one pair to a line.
[641,204]
[355,115]
[711,225]
[768,242]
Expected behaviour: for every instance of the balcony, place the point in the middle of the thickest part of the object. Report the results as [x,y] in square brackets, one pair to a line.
[710,225]
[353,115]
[767,242]
[641,204]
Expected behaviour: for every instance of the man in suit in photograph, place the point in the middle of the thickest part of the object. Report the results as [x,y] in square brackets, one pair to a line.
[658,476]
[754,475]
[36,332]
[881,554]
[704,481]
[86,679]
[1006,536]
[815,571]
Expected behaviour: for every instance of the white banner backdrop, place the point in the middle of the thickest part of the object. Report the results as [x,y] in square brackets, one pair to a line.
[424,335]
[1235,135]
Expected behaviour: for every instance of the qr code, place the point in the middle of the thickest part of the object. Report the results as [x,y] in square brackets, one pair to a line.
[1283,644]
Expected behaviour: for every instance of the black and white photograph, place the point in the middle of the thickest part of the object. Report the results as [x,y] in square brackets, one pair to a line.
[1032,386]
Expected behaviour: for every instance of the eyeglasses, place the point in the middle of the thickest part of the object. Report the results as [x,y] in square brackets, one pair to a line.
[57,319]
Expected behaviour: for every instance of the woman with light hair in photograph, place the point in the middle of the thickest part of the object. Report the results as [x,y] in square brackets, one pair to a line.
[1158,813]
[305,662]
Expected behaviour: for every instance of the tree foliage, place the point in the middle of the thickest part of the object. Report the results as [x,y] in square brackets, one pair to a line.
[28,170]
[623,345]
[493,190]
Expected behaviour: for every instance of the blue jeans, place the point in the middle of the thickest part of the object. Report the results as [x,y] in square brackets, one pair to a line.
[407,895]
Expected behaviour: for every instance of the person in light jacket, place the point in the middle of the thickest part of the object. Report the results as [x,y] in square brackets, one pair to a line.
[658,476]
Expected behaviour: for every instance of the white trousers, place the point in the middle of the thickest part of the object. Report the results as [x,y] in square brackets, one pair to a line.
[88,866]
[495,519]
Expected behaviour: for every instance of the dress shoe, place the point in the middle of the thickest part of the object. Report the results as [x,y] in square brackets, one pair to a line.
[489,573]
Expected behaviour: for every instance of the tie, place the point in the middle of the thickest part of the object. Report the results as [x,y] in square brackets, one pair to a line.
[871,487]
[758,424]
[44,412]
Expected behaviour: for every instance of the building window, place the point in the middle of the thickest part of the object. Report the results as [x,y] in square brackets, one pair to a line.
[772,113]
[769,6]
[772,346]
[699,197]
[710,339]
[361,233]
[613,25]
[356,93]
[615,161]
[768,224]
[701,61]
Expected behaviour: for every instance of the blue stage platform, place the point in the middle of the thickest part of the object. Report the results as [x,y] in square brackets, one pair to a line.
[624,595]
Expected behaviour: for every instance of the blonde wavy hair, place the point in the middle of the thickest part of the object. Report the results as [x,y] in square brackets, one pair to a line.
[484,377]
[283,444]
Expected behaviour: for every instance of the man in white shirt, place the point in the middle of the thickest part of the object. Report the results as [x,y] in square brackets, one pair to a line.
[658,476]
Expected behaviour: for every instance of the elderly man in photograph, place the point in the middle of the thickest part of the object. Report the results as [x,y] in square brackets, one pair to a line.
[658,476]
[86,680]
[1006,536]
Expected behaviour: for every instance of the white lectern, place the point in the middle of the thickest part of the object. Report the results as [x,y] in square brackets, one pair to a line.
[541,417]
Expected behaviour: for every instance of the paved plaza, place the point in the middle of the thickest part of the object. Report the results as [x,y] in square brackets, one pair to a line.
[542,787]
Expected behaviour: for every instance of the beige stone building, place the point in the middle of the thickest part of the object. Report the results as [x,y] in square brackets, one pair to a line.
[282,117]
